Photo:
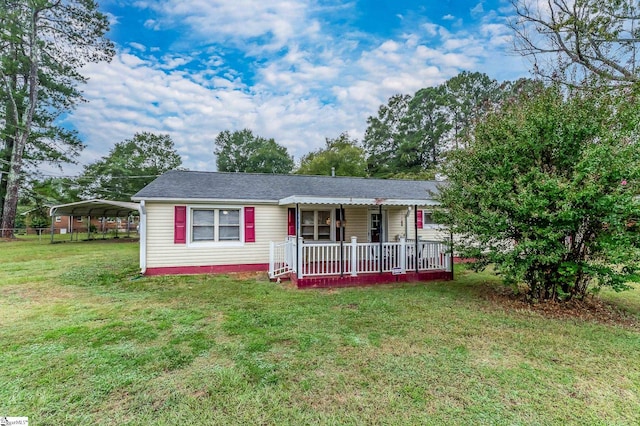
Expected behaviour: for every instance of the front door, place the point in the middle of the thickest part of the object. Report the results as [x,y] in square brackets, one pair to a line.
[376,227]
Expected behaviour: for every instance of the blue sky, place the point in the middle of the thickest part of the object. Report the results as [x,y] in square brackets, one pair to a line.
[293,70]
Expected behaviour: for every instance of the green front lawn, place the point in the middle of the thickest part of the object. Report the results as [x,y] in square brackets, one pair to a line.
[85,340]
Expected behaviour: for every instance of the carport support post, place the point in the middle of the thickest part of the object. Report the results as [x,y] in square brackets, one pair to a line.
[88,227]
[52,225]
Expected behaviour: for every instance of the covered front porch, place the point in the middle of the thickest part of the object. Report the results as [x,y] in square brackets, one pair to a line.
[311,264]
[344,242]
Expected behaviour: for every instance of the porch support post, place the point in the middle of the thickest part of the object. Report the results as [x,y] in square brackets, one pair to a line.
[88,227]
[300,254]
[298,248]
[382,230]
[415,230]
[272,258]
[354,256]
[341,230]
[403,254]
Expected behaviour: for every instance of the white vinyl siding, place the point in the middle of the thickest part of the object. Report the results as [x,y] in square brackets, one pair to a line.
[357,224]
[397,227]
[270,225]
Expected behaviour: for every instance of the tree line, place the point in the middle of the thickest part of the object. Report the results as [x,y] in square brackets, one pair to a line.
[407,138]
[543,175]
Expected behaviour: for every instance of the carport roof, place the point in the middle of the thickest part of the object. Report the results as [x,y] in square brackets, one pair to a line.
[96,208]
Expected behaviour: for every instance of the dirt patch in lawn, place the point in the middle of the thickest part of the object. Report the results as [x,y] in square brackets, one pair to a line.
[592,309]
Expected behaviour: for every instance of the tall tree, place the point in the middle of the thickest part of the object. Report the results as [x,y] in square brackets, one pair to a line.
[343,155]
[571,39]
[468,96]
[241,151]
[129,166]
[410,133]
[43,46]
[426,124]
[384,140]
[547,193]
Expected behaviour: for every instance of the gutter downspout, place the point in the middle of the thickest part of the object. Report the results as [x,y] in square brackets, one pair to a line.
[406,223]
[143,237]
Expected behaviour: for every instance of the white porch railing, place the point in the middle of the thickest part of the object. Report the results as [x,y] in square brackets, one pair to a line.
[353,258]
[282,257]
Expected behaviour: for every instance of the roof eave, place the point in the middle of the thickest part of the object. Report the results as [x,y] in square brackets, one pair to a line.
[348,201]
[204,200]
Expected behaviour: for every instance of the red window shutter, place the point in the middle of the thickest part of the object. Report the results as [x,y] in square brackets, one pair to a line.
[180,225]
[250,224]
[420,218]
[291,221]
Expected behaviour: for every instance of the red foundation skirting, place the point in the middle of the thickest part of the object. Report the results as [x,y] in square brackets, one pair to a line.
[369,279]
[212,269]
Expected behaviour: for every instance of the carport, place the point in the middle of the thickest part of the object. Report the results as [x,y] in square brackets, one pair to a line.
[95,208]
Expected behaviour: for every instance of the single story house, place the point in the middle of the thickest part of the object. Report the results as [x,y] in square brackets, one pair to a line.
[316,230]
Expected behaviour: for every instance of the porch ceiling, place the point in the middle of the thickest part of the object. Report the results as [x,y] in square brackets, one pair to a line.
[349,201]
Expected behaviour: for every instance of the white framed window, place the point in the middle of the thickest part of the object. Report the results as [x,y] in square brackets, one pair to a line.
[427,219]
[215,225]
[58,218]
[315,225]
[78,218]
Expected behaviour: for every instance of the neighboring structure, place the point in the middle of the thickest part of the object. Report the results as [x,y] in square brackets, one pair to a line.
[103,215]
[63,224]
[317,230]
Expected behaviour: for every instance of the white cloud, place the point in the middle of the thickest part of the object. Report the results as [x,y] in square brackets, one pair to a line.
[477,9]
[152,24]
[448,17]
[138,46]
[318,84]
[235,21]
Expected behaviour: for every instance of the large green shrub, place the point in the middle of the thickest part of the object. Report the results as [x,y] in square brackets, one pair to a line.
[547,192]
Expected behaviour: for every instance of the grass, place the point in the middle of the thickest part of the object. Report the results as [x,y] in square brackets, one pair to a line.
[86,340]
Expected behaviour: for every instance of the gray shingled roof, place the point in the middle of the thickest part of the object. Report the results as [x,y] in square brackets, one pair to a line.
[185,185]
